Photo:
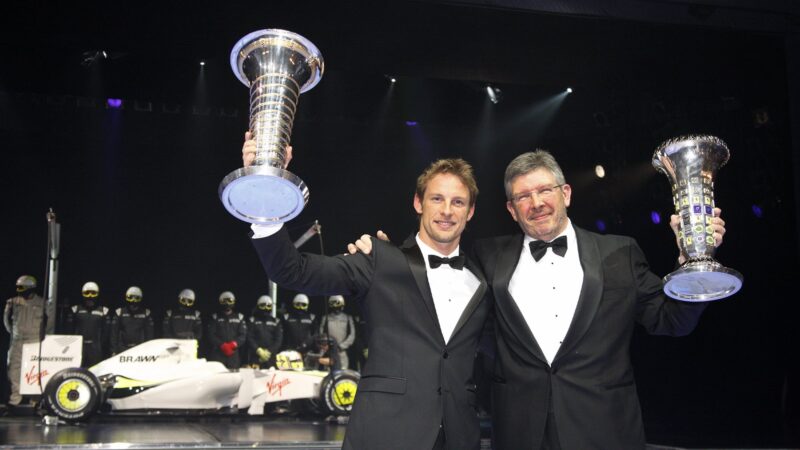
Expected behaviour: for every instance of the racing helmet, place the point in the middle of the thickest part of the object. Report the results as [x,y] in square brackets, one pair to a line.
[289,360]
[26,283]
[133,294]
[300,302]
[186,297]
[336,302]
[227,299]
[90,289]
[264,303]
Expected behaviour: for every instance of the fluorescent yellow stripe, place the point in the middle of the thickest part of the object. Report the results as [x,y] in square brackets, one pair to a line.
[124,383]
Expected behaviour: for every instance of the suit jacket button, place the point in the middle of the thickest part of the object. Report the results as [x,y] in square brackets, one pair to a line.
[445,354]
[439,390]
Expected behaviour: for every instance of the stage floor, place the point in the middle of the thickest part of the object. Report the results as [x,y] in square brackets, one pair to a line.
[156,432]
[170,432]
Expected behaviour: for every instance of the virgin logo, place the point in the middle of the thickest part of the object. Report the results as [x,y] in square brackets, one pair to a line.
[32,377]
[277,387]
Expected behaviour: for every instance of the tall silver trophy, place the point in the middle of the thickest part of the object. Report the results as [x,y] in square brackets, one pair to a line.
[690,163]
[277,66]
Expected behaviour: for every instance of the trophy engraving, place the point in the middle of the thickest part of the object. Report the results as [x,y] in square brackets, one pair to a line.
[277,66]
[690,163]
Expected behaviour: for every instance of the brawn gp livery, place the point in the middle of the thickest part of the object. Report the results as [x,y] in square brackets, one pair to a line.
[165,375]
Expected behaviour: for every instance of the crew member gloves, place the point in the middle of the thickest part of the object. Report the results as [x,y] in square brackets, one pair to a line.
[263,354]
[228,347]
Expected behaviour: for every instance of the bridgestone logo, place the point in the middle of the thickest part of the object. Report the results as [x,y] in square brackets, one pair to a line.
[52,358]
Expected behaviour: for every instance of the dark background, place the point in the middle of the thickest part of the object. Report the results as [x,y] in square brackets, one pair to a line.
[135,188]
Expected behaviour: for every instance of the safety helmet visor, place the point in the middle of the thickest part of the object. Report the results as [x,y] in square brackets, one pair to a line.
[302,306]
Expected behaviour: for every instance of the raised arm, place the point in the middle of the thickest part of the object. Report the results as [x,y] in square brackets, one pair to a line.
[349,275]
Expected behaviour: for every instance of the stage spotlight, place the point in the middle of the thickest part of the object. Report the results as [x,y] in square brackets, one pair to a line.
[411,123]
[92,56]
[655,217]
[202,63]
[601,225]
[757,211]
[114,103]
[569,90]
[600,171]
[391,79]
[493,93]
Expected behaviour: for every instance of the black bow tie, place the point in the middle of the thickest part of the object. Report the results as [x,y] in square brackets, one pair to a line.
[456,262]
[539,248]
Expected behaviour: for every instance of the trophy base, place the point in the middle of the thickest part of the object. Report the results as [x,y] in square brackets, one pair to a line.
[702,281]
[263,194]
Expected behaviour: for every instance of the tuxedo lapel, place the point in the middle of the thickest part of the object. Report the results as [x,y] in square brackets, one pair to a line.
[505,305]
[476,299]
[591,291]
[417,266]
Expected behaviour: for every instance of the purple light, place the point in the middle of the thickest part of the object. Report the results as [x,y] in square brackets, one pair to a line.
[655,217]
[757,211]
[411,123]
[114,103]
[601,225]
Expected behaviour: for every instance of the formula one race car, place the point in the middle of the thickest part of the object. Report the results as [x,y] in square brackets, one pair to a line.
[165,375]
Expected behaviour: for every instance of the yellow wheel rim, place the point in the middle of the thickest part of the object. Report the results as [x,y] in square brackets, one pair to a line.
[345,392]
[73,395]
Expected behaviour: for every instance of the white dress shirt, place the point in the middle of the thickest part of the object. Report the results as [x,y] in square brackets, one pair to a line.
[262,231]
[547,292]
[451,289]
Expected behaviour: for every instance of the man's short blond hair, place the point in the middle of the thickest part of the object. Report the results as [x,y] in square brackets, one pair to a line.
[454,166]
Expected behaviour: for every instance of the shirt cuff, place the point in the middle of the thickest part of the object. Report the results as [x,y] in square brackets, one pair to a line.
[262,231]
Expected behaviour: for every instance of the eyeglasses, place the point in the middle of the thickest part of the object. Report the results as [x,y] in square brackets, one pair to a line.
[303,306]
[265,307]
[545,193]
[227,301]
[186,301]
[133,298]
[21,288]
[89,294]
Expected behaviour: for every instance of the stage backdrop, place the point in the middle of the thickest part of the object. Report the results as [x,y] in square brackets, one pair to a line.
[135,186]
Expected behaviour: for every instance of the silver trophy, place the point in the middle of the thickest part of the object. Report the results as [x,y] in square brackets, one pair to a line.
[690,163]
[277,66]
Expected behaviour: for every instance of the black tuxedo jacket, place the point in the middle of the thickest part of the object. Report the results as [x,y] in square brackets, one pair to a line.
[413,381]
[590,383]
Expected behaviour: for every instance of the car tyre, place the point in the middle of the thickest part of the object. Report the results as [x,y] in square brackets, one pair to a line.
[338,392]
[73,394]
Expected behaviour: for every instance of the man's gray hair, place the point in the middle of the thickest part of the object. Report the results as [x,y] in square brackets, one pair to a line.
[528,162]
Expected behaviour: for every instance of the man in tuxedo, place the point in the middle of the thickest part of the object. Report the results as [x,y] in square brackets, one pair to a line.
[566,301]
[424,303]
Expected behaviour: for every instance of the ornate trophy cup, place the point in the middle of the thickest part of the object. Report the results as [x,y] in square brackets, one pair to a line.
[690,163]
[277,66]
